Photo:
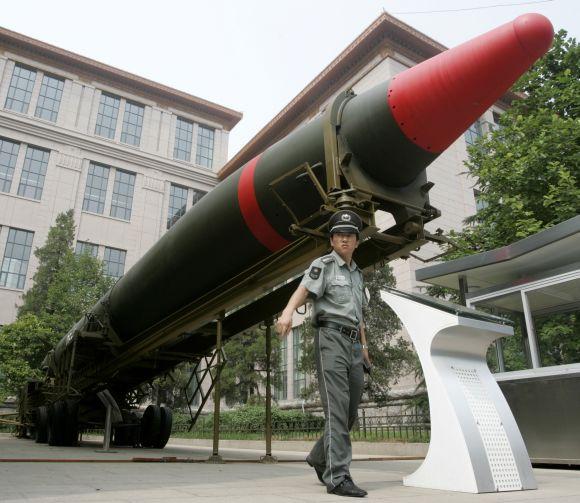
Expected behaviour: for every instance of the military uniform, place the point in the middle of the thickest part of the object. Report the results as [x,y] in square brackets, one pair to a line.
[337,294]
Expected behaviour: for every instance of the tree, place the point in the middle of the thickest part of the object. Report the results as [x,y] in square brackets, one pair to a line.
[169,389]
[23,346]
[50,257]
[243,379]
[76,287]
[391,354]
[65,287]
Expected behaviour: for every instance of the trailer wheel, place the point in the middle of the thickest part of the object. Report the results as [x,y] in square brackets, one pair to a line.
[119,435]
[165,429]
[56,423]
[150,425]
[41,429]
[71,423]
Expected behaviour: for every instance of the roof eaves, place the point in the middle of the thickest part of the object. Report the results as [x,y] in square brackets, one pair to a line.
[231,117]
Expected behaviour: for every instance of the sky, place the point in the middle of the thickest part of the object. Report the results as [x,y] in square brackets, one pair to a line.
[253,56]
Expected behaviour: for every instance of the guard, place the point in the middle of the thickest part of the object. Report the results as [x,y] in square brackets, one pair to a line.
[334,284]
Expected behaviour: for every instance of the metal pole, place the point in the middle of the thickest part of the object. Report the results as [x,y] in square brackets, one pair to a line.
[72,363]
[463,289]
[499,354]
[215,457]
[532,340]
[268,458]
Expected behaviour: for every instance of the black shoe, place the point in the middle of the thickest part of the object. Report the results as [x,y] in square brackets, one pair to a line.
[319,472]
[348,488]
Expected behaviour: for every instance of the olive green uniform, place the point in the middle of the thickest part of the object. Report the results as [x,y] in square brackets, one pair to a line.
[337,293]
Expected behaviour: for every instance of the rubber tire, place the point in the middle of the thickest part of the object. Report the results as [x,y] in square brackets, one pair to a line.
[71,423]
[56,423]
[119,435]
[150,425]
[165,428]
[41,429]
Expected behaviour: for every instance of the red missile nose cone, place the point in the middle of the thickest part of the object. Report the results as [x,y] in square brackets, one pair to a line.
[437,100]
[535,33]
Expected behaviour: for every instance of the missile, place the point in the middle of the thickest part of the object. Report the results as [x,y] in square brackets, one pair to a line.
[394,131]
[391,133]
[369,151]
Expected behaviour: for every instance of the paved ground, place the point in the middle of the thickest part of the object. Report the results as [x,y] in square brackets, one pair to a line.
[116,477]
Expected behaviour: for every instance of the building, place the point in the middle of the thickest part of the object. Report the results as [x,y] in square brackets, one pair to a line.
[387,47]
[129,155]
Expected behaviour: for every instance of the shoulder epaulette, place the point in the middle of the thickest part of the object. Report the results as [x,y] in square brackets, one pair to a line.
[327,258]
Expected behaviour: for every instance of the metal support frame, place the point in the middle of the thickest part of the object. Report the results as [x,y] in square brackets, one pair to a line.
[112,415]
[531,331]
[524,290]
[268,458]
[215,457]
[211,364]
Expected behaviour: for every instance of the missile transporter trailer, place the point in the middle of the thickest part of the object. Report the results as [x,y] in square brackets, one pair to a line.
[247,241]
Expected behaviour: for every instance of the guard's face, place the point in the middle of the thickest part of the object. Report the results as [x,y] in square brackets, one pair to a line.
[344,244]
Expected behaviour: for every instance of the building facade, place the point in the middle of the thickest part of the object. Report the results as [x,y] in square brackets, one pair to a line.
[386,48]
[128,155]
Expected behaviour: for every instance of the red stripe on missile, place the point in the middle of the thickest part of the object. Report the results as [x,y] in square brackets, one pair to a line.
[435,101]
[253,216]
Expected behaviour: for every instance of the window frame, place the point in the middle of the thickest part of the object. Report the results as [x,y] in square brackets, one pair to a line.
[13,89]
[6,261]
[107,262]
[59,91]
[116,206]
[37,186]
[99,127]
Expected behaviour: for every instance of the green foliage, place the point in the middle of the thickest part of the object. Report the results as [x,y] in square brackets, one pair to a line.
[391,355]
[253,418]
[23,346]
[76,287]
[244,376]
[170,389]
[65,287]
[50,257]
[558,337]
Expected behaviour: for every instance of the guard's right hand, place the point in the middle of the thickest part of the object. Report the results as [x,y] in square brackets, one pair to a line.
[284,324]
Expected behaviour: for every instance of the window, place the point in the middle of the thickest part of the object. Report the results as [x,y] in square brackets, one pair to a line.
[123,195]
[88,248]
[132,124]
[299,377]
[197,195]
[177,204]
[281,390]
[114,262]
[8,156]
[20,90]
[49,98]
[204,154]
[33,173]
[473,133]
[480,204]
[96,190]
[183,138]
[107,116]
[16,255]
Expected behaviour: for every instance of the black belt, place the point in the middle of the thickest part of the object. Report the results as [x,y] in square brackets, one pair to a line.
[351,333]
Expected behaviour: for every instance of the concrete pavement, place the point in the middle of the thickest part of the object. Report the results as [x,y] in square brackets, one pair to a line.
[115,477]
